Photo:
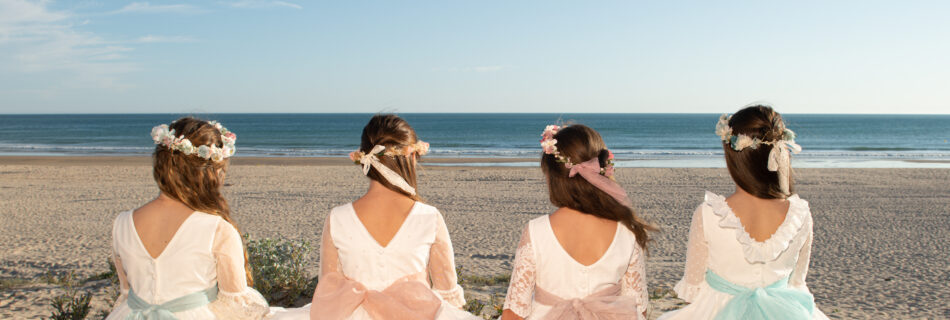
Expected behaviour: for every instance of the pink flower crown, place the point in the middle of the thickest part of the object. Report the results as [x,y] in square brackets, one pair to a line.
[164,136]
[549,146]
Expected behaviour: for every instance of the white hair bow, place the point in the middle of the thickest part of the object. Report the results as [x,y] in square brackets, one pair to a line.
[371,160]
[780,161]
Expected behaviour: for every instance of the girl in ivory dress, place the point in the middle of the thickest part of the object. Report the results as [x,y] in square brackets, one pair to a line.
[386,255]
[586,260]
[748,253]
[180,256]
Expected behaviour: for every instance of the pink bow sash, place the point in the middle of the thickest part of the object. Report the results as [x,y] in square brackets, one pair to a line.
[408,298]
[606,304]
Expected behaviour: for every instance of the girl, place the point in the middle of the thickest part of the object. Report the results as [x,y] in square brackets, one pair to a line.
[180,256]
[387,255]
[586,260]
[748,254]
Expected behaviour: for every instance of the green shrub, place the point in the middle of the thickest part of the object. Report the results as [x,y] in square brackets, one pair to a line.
[279,270]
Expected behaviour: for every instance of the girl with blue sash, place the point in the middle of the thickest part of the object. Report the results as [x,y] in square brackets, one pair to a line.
[180,256]
[748,253]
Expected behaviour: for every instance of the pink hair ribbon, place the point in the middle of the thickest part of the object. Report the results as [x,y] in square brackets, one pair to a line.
[590,171]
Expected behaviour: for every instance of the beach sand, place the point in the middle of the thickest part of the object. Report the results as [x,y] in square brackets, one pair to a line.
[880,249]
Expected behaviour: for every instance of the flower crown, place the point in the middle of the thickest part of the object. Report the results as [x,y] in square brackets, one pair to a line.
[549,145]
[779,157]
[164,136]
[742,141]
[420,148]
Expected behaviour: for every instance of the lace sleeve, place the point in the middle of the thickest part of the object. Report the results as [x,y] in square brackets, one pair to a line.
[521,289]
[329,257]
[123,281]
[797,279]
[697,254]
[634,283]
[442,267]
[235,299]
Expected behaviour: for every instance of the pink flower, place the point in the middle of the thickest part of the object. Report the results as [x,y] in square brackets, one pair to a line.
[610,155]
[609,171]
[355,156]
[549,146]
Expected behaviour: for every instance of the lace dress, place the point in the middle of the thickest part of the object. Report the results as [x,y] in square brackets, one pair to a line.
[719,244]
[205,251]
[412,277]
[547,280]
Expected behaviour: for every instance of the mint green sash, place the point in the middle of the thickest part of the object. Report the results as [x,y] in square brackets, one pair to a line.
[776,301]
[142,310]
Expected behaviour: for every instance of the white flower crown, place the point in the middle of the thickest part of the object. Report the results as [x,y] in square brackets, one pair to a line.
[371,159]
[779,157]
[164,136]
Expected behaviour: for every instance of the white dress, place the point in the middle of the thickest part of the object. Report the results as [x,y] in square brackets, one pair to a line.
[421,245]
[541,262]
[718,242]
[205,251]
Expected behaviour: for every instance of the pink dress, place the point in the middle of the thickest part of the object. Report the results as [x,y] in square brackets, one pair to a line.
[548,283]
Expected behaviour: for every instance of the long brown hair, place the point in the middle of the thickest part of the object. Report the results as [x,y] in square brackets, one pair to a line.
[749,167]
[581,143]
[391,131]
[194,181]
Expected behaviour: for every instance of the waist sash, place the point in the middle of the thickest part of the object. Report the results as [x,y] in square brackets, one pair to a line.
[408,298]
[775,301]
[142,310]
[606,304]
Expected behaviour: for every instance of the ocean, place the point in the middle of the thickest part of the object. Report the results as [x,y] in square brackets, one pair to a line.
[638,140]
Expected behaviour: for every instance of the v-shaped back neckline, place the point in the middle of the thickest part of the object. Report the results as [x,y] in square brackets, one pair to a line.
[785,220]
[170,241]
[557,242]
[395,235]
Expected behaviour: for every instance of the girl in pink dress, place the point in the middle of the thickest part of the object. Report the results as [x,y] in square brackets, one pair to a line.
[586,260]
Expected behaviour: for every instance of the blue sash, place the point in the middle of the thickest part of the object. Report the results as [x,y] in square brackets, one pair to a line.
[142,310]
[776,301]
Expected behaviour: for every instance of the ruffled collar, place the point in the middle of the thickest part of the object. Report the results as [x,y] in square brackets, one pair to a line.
[770,249]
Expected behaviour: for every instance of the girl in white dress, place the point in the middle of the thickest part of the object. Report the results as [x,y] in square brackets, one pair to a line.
[386,255]
[587,259]
[180,256]
[748,254]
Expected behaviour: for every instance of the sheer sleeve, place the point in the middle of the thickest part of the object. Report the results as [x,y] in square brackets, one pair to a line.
[329,256]
[797,279]
[697,254]
[235,299]
[123,281]
[442,267]
[634,282]
[521,289]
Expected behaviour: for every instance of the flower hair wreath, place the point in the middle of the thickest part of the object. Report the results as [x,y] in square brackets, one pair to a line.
[549,145]
[164,136]
[779,157]
[371,159]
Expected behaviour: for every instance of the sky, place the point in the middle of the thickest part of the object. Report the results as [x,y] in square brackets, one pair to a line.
[264,56]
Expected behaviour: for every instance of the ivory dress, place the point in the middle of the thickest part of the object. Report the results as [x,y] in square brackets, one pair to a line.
[718,243]
[543,269]
[416,268]
[205,251]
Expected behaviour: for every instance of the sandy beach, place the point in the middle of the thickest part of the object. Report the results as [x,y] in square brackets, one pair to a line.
[880,248]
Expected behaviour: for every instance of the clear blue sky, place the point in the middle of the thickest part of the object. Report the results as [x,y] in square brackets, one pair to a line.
[474,56]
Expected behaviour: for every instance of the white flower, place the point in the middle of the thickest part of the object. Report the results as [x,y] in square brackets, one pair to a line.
[159,132]
[217,155]
[186,147]
[228,150]
[723,130]
[549,146]
[204,152]
[742,142]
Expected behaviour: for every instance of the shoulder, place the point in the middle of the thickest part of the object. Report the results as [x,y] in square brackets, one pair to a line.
[798,209]
[423,209]
[340,210]
[122,220]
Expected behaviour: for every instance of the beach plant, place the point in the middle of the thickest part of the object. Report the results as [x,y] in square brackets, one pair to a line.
[474,306]
[279,270]
[72,304]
